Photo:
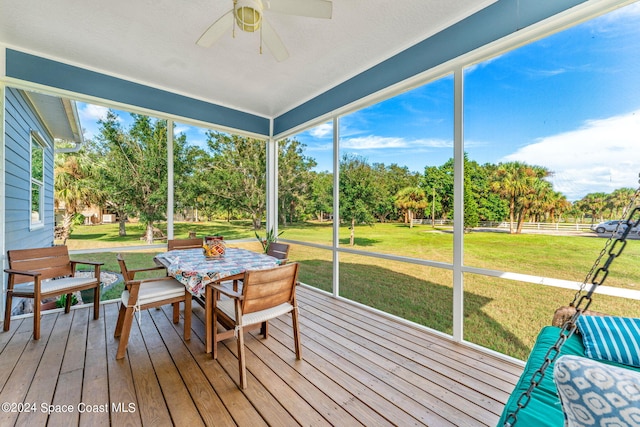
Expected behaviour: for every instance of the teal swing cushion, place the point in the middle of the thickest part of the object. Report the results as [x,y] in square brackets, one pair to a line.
[544,407]
[616,339]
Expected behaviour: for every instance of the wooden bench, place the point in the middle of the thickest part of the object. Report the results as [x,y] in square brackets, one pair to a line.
[46,272]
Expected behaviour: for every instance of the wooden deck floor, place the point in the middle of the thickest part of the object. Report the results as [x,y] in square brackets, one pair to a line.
[358,369]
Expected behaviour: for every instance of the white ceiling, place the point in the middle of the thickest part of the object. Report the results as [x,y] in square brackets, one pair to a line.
[153,42]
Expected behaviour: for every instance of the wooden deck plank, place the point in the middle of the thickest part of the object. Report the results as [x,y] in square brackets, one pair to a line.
[284,365]
[239,407]
[207,402]
[122,392]
[69,386]
[364,388]
[491,366]
[438,388]
[5,337]
[44,382]
[280,343]
[17,386]
[358,368]
[19,336]
[182,408]
[95,382]
[151,404]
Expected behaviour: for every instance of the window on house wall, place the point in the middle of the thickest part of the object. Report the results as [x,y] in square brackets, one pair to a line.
[37,181]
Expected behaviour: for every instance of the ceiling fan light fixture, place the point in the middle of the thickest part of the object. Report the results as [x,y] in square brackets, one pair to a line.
[248,14]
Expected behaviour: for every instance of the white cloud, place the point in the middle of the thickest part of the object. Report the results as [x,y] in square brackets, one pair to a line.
[92,112]
[602,155]
[374,142]
[322,130]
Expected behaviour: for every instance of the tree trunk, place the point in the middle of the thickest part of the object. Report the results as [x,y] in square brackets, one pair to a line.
[512,208]
[67,221]
[257,223]
[122,230]
[149,233]
[410,213]
[352,237]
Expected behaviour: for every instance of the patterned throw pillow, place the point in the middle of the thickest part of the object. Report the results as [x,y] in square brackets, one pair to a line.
[596,394]
[611,338]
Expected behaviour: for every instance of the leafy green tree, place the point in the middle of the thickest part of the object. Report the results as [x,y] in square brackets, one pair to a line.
[133,165]
[411,199]
[294,179]
[389,180]
[357,195]
[321,198]
[438,185]
[237,174]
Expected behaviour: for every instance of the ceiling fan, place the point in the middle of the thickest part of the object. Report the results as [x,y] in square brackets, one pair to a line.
[248,16]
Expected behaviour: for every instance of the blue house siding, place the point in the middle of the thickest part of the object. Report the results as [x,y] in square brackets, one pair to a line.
[20,120]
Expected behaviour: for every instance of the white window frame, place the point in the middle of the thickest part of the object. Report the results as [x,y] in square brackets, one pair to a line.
[36,141]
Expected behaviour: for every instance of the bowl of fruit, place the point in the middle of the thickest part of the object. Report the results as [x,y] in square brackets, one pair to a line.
[214,249]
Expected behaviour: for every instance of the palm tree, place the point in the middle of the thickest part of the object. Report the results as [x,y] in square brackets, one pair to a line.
[594,204]
[71,189]
[515,181]
[411,199]
[618,199]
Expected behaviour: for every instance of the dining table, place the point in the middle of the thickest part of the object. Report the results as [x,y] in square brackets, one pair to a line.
[196,272]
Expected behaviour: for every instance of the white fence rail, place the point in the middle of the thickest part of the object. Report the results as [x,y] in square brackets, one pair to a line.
[555,226]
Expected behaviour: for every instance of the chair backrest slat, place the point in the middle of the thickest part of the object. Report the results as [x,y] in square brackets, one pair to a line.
[50,262]
[175,244]
[278,250]
[263,289]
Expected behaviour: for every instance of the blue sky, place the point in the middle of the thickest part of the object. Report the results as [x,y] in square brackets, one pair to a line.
[569,102]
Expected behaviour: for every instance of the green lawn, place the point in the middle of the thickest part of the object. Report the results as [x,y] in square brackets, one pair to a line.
[503,315]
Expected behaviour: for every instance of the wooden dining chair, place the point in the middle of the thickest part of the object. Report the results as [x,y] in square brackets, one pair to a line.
[266,294]
[143,294]
[280,251]
[174,244]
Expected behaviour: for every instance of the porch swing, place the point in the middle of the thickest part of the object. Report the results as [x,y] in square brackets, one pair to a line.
[536,400]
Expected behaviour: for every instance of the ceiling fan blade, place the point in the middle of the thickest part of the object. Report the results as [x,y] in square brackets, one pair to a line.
[273,42]
[216,30]
[310,8]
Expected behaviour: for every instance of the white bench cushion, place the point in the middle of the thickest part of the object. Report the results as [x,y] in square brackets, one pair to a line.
[47,286]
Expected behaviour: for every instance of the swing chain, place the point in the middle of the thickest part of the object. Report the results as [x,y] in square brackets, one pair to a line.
[570,326]
[604,250]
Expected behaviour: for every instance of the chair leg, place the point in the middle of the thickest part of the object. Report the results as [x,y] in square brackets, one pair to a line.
[264,329]
[296,333]
[210,324]
[212,336]
[126,331]
[176,312]
[7,310]
[242,366]
[187,316]
[120,321]
[67,303]
[96,302]
[36,318]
